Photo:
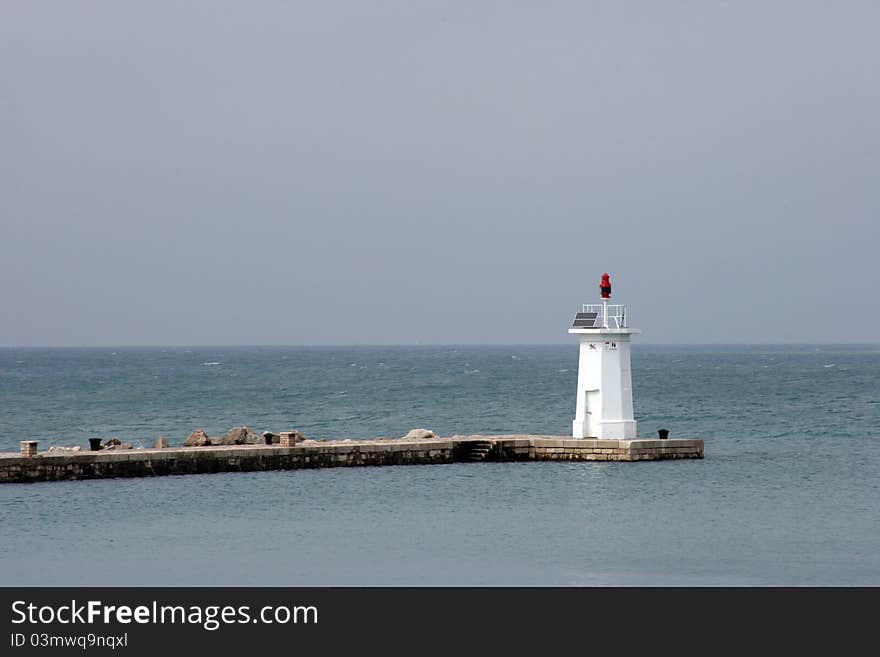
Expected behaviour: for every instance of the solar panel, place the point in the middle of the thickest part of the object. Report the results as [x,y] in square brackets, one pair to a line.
[584,320]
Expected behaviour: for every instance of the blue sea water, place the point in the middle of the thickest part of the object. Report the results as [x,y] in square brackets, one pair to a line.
[788,493]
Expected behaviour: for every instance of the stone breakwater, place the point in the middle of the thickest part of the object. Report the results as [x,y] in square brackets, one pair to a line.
[32,465]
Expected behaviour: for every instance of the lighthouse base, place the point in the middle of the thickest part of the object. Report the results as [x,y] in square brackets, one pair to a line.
[608,430]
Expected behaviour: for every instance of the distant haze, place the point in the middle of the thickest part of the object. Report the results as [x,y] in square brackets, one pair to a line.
[437,172]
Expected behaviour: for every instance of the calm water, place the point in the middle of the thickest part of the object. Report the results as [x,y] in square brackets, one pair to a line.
[789,491]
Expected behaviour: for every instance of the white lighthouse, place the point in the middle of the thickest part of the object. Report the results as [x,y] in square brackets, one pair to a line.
[604,388]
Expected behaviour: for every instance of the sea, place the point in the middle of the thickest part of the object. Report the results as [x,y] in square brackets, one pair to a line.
[788,493]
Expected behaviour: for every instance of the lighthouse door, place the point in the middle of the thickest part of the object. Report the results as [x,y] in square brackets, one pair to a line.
[592,412]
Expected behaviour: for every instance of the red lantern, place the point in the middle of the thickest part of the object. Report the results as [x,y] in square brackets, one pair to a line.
[605,287]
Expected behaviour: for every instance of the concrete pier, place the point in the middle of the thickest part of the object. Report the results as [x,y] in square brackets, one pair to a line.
[31,465]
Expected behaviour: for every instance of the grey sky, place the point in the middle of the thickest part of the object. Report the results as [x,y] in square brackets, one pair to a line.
[437,172]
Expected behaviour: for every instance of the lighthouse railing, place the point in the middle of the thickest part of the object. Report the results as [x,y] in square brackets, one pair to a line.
[614,319]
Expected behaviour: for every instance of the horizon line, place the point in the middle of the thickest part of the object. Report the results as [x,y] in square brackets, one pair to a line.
[437,344]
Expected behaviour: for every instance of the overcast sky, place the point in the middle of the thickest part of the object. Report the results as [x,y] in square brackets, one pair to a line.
[437,172]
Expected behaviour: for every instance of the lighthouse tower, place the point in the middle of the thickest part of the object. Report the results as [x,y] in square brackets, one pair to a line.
[604,388]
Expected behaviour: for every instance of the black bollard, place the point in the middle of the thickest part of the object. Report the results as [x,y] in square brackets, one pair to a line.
[267,437]
[95,444]
[664,433]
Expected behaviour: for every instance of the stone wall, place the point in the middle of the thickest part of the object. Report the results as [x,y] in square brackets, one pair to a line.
[586,449]
[246,458]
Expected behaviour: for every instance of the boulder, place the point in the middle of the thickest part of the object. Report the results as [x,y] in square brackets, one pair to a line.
[234,436]
[160,443]
[419,434]
[239,436]
[197,438]
[252,437]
